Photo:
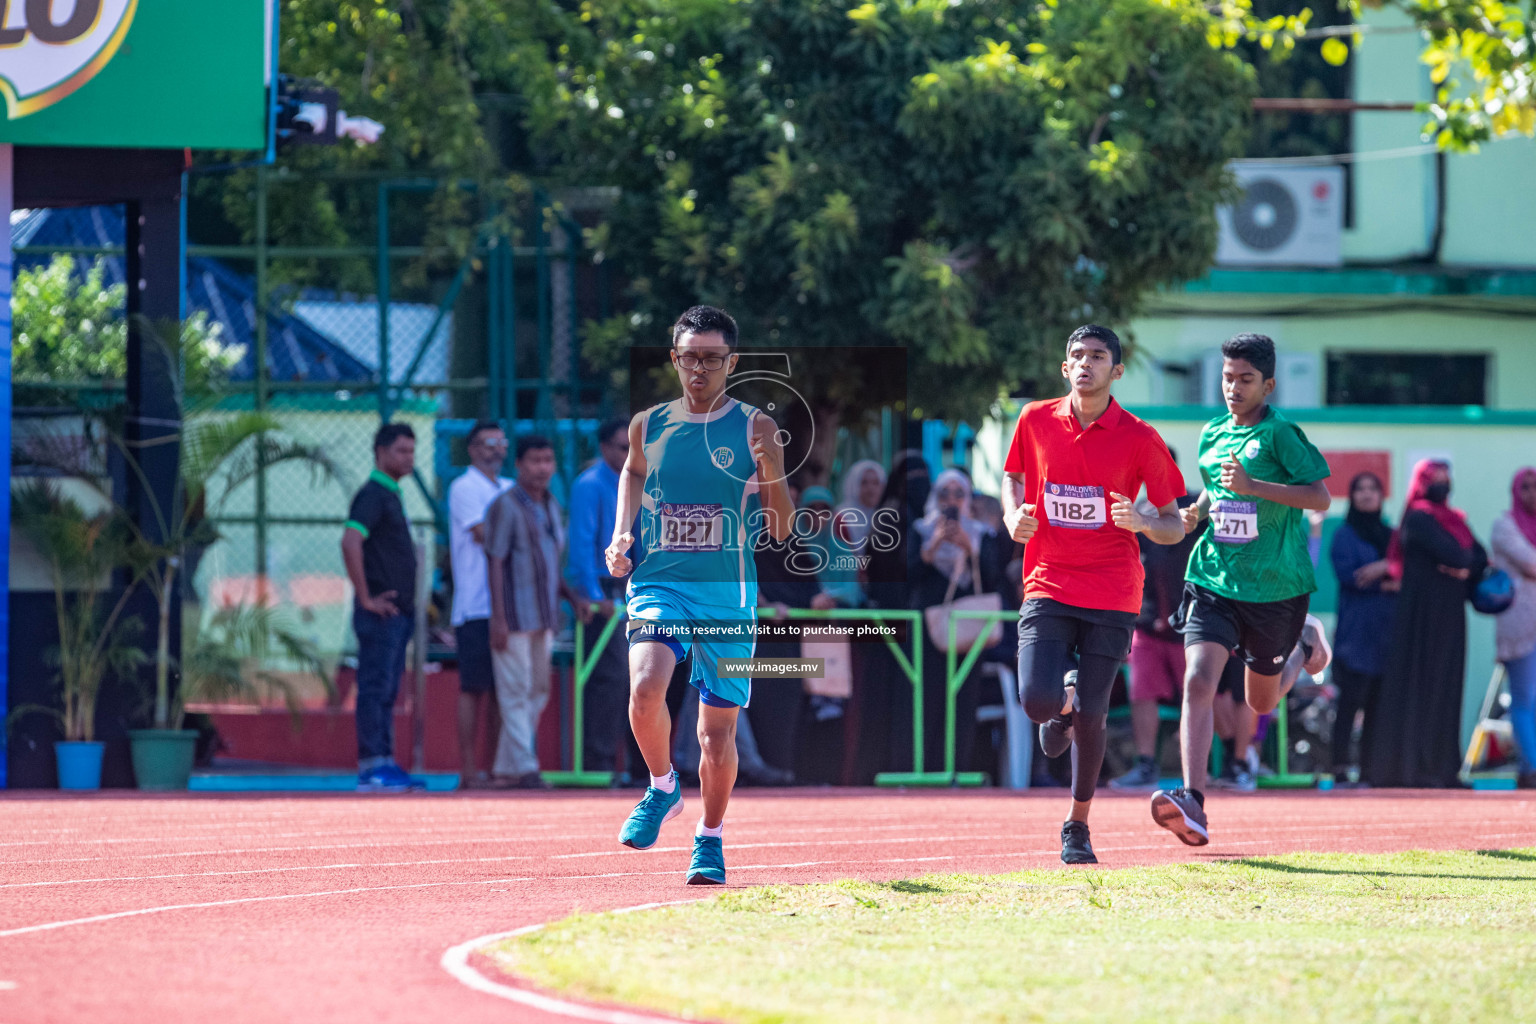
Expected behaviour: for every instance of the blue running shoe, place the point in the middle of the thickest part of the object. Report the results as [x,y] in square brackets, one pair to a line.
[401,777]
[385,778]
[708,864]
[645,821]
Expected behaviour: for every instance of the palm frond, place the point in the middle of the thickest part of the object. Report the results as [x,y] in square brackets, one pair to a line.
[222,665]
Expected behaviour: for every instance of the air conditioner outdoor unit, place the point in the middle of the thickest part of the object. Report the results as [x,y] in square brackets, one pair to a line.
[1287,216]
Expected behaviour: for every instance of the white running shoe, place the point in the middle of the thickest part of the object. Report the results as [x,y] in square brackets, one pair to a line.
[1315,647]
[1319,654]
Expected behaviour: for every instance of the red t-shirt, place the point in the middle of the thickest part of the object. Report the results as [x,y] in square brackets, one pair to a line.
[1078,556]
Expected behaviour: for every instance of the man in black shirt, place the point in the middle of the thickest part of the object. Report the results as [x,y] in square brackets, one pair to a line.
[381,563]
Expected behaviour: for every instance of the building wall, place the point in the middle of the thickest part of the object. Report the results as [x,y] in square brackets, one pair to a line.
[1307,327]
[1490,213]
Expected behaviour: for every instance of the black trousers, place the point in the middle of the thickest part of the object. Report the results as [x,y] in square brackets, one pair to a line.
[1054,638]
[1354,688]
[605,706]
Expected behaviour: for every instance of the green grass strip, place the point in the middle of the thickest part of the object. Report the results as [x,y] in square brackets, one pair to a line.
[1442,937]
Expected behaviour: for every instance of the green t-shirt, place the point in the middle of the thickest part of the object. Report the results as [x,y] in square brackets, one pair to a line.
[1256,550]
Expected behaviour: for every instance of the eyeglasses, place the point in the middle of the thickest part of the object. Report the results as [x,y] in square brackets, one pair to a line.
[689,361]
[483,443]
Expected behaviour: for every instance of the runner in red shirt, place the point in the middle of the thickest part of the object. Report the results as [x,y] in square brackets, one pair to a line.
[1069,488]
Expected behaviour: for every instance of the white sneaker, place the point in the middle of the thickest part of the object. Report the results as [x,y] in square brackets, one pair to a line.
[1321,654]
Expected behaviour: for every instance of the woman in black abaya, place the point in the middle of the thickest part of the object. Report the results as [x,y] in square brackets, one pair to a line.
[1413,716]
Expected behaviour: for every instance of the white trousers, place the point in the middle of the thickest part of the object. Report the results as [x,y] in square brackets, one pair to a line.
[522,689]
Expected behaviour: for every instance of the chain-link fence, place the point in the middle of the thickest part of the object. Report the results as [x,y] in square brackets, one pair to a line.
[331,303]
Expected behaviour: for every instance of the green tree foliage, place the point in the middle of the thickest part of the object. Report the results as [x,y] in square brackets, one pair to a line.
[71,329]
[1482,57]
[966,180]
[1300,70]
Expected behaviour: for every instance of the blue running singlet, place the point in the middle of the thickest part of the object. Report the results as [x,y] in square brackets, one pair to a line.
[700,513]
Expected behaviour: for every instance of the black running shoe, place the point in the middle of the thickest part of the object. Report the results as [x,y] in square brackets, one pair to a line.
[1056,735]
[1075,847]
[1179,812]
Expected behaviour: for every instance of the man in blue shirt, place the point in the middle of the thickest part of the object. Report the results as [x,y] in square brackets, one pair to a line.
[594,505]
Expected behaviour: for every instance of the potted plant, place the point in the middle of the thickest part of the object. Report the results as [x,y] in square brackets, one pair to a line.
[228,662]
[80,549]
[218,453]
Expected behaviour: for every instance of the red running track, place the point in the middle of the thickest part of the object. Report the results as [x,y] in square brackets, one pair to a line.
[127,908]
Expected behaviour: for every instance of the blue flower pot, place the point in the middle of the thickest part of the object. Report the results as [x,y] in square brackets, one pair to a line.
[79,764]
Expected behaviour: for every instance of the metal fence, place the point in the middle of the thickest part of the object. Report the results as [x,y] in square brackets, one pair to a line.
[343,302]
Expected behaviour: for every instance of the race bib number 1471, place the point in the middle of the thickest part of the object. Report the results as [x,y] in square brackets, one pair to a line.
[1235,522]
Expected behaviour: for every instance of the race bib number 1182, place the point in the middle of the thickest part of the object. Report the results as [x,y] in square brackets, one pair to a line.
[1076,508]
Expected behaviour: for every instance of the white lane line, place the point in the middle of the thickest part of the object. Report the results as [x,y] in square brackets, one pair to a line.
[223,834]
[456,962]
[1232,839]
[829,842]
[546,879]
[98,918]
[381,845]
[503,840]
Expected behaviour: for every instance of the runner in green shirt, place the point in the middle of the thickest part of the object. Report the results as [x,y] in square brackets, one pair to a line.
[1250,574]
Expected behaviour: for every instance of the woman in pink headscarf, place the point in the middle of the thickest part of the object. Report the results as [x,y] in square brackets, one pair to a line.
[1514,551]
[1413,717]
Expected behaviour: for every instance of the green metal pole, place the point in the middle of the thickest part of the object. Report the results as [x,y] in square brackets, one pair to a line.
[262,381]
[582,668]
[493,328]
[1283,779]
[385,399]
[544,410]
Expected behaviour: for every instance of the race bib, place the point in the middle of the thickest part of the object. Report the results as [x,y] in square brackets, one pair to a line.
[1235,522]
[1076,508]
[691,527]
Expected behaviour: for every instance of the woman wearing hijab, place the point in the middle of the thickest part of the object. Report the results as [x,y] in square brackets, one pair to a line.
[1367,601]
[1413,718]
[880,713]
[1514,551]
[839,581]
[947,537]
[863,486]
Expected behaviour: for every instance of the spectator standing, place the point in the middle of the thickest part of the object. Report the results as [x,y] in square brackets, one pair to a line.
[947,538]
[468,498]
[882,698]
[1514,551]
[380,558]
[1367,603]
[777,703]
[823,735]
[524,539]
[863,486]
[1413,718]
[594,505]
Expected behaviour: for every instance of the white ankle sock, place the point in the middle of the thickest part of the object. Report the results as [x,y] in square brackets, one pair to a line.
[666,783]
[705,830]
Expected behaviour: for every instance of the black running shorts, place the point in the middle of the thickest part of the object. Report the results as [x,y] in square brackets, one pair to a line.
[1262,634]
[1087,630]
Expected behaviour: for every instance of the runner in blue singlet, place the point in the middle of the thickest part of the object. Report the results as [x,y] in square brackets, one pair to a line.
[705,473]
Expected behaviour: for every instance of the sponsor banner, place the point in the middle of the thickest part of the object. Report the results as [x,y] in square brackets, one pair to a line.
[136,73]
